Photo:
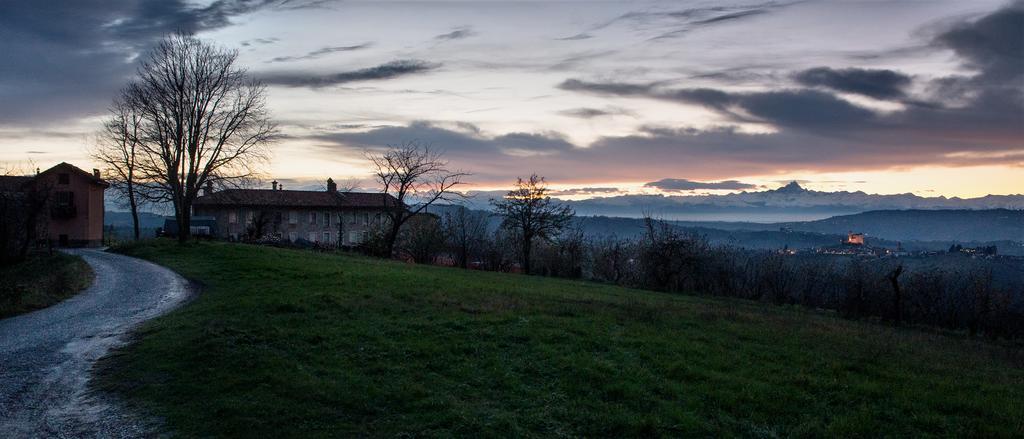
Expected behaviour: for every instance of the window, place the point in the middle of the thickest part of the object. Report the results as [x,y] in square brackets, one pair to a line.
[293,217]
[312,237]
[366,235]
[292,236]
[327,237]
[249,217]
[232,217]
[327,218]
[63,178]
[352,217]
[353,237]
[312,218]
[65,198]
[366,218]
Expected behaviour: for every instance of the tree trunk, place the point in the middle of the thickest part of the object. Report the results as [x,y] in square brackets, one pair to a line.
[135,212]
[184,225]
[526,254]
[392,237]
[894,279]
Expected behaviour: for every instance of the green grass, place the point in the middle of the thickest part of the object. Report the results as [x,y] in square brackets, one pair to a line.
[41,280]
[284,343]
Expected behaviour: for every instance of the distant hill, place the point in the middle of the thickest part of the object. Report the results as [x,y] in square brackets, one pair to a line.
[925,225]
[147,220]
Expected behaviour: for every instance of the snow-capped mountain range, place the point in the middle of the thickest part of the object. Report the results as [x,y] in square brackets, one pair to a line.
[791,198]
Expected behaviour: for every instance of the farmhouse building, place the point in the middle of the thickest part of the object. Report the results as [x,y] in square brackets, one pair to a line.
[70,212]
[326,217]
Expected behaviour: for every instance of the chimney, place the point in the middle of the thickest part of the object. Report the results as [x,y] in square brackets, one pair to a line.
[273,185]
[209,188]
[331,185]
[95,172]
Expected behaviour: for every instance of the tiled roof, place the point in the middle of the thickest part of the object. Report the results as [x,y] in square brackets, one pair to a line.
[283,198]
[11,183]
[68,166]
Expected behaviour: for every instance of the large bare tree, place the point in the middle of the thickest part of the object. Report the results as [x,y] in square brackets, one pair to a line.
[530,213]
[115,152]
[412,171]
[200,119]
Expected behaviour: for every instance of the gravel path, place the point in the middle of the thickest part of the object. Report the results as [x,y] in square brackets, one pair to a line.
[46,355]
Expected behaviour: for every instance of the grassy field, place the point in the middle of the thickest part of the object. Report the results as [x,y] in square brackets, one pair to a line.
[284,343]
[40,281]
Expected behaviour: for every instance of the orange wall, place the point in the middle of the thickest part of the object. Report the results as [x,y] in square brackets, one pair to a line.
[86,227]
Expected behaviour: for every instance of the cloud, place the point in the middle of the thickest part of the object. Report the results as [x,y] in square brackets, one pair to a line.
[878,84]
[993,44]
[609,88]
[801,108]
[321,52]
[260,41]
[69,60]
[661,25]
[585,191]
[579,36]
[680,184]
[457,34]
[591,113]
[461,139]
[388,70]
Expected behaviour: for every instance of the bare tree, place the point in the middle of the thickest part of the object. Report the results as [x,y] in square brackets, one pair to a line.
[116,153]
[422,239]
[465,231]
[201,119]
[412,171]
[530,212]
[23,206]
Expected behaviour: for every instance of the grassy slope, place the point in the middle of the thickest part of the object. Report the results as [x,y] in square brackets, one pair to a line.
[293,343]
[40,281]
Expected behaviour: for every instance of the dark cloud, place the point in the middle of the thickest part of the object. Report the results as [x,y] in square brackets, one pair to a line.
[579,36]
[457,34]
[680,184]
[389,70]
[878,84]
[731,16]
[68,59]
[591,113]
[675,23]
[260,41]
[802,109]
[466,140]
[609,88]
[993,44]
[321,52]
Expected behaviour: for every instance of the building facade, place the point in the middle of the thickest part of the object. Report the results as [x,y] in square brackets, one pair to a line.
[73,212]
[324,217]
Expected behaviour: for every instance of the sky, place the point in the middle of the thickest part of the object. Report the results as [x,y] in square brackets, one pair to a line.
[601,98]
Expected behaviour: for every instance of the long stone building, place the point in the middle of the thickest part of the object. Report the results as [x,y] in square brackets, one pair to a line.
[327,217]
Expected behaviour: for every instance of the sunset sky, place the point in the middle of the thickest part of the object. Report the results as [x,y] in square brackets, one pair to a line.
[601,98]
